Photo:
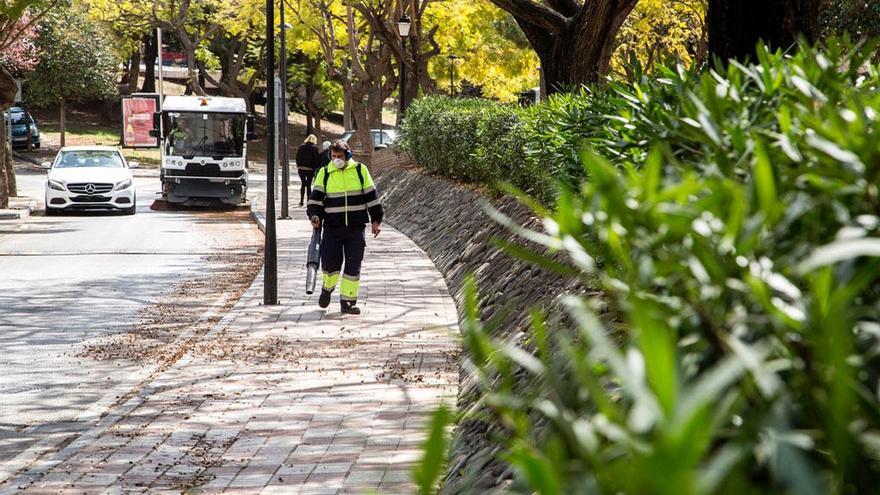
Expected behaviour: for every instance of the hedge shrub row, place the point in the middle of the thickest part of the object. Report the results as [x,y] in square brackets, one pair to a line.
[732,219]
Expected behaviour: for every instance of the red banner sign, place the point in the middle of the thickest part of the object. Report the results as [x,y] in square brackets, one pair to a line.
[137,121]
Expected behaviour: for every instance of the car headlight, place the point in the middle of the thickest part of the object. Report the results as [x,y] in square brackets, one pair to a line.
[54,184]
[123,185]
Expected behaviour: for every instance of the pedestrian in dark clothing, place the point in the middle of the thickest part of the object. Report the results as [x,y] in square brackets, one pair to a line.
[306,165]
[324,159]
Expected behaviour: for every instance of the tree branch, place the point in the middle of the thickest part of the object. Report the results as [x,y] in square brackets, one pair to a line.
[540,39]
[568,8]
[12,35]
[534,14]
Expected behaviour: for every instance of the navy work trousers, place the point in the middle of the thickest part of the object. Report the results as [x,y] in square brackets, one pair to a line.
[343,244]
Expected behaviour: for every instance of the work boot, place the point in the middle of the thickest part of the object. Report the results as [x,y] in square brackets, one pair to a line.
[324,298]
[349,308]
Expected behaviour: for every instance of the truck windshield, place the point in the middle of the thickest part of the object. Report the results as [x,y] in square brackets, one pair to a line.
[205,134]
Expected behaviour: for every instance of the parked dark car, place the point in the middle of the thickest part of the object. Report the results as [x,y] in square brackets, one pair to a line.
[381,139]
[21,119]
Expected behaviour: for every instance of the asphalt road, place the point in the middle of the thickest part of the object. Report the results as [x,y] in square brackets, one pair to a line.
[67,282]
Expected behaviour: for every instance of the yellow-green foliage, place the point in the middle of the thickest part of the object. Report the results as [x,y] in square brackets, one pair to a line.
[661,30]
[495,54]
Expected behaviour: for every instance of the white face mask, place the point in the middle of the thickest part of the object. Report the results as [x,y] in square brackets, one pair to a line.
[339,162]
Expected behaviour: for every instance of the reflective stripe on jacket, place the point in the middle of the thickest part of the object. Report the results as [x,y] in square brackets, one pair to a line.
[347,201]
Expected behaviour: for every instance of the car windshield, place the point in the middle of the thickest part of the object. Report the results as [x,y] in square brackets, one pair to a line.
[205,134]
[90,158]
[17,118]
[383,137]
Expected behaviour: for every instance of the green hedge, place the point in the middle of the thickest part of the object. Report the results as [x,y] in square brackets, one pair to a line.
[491,144]
[732,219]
[471,140]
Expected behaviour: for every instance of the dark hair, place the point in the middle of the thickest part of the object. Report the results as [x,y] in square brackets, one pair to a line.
[339,145]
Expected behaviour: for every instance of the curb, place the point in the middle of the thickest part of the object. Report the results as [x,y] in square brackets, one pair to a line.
[258,217]
[20,208]
[25,158]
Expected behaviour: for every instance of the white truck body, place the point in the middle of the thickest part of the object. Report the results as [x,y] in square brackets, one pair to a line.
[204,149]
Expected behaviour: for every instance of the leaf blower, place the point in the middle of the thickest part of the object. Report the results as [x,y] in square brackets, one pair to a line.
[313,262]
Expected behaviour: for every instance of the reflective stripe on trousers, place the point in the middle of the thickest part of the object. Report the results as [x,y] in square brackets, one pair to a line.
[343,245]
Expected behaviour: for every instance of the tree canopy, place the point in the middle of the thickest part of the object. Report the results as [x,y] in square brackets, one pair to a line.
[343,52]
[76,60]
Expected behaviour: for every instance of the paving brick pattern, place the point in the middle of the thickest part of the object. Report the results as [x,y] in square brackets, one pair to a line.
[284,399]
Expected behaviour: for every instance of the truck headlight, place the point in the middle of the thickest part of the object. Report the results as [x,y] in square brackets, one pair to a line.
[123,185]
[58,186]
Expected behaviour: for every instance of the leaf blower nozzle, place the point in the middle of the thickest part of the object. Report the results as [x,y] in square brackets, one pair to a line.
[313,262]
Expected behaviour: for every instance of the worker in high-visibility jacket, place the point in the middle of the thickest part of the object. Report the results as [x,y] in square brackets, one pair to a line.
[343,201]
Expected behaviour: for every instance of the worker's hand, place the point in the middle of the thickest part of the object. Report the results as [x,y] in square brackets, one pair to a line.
[316,222]
[376,229]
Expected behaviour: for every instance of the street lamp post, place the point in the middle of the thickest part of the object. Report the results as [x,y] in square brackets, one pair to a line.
[285,158]
[452,59]
[270,265]
[161,78]
[403,26]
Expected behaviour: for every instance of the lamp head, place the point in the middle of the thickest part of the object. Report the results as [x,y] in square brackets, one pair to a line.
[403,26]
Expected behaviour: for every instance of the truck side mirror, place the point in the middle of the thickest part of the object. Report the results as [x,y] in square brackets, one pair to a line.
[154,133]
[157,119]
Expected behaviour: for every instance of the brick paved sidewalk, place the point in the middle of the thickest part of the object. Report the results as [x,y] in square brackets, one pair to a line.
[284,399]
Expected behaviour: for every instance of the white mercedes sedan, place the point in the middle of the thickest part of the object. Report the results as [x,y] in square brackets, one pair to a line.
[90,177]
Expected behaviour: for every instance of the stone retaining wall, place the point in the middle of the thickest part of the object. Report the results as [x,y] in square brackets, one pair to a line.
[449,222]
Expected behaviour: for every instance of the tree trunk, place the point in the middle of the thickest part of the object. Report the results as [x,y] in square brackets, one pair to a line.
[574,42]
[375,103]
[4,192]
[194,85]
[362,126]
[29,135]
[8,90]
[61,122]
[11,182]
[412,78]
[202,76]
[309,127]
[252,107]
[736,28]
[317,119]
[151,54]
[581,54]
[566,67]
[134,71]
[347,123]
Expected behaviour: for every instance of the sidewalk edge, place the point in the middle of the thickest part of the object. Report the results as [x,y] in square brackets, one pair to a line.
[258,217]
[20,208]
